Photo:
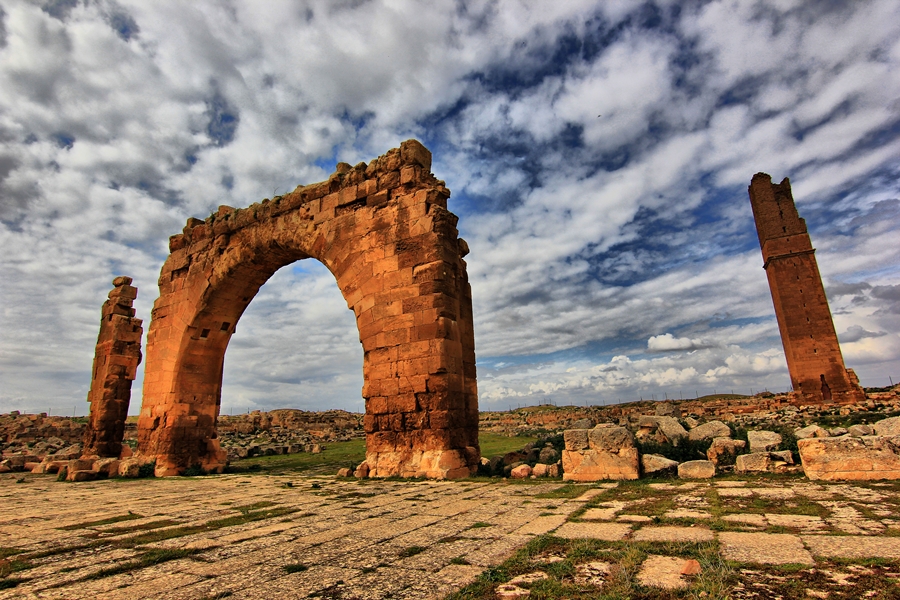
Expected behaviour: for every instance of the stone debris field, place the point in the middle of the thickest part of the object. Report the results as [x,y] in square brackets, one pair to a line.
[259,536]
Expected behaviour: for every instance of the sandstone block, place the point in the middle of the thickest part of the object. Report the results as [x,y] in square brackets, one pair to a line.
[610,439]
[656,464]
[344,472]
[723,450]
[887,427]
[576,439]
[755,462]
[811,431]
[541,470]
[762,441]
[86,475]
[850,458]
[594,465]
[582,424]
[696,469]
[362,471]
[710,430]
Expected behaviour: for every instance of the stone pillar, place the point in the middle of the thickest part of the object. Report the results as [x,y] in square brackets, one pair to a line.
[814,358]
[116,358]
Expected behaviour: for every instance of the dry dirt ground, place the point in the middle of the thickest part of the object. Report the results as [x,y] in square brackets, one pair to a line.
[257,536]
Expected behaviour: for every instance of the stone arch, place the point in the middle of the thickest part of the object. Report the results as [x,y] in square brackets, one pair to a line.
[384,232]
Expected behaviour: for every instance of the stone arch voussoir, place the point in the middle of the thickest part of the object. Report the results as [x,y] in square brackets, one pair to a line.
[384,231]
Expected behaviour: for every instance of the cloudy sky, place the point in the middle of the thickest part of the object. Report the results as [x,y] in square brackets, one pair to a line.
[599,155]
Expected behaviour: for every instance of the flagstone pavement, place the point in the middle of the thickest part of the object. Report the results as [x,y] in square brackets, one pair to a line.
[258,536]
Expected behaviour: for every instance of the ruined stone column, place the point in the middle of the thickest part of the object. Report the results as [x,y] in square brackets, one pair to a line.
[116,358]
[811,347]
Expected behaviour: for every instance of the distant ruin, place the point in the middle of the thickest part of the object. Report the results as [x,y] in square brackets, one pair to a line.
[384,231]
[116,359]
[807,331]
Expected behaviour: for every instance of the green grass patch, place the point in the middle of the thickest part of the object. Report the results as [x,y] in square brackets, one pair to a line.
[14,565]
[142,527]
[334,456]
[494,444]
[145,559]
[569,490]
[129,517]
[10,582]
[5,552]
[246,508]
[295,568]
[459,560]
[479,525]
[620,582]
[247,517]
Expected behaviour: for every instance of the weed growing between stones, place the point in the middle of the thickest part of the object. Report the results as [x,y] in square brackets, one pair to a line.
[588,569]
[411,551]
[147,470]
[295,568]
[129,517]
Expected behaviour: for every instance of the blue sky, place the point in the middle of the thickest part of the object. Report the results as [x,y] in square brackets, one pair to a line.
[598,154]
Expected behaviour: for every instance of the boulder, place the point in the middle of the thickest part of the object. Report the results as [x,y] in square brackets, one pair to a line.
[83,475]
[106,467]
[521,472]
[541,470]
[696,469]
[671,429]
[130,467]
[723,450]
[860,430]
[691,422]
[69,453]
[548,455]
[362,471]
[851,458]
[836,431]
[582,424]
[888,427]
[708,431]
[667,409]
[763,441]
[811,431]
[656,464]
[555,469]
[600,453]
[344,472]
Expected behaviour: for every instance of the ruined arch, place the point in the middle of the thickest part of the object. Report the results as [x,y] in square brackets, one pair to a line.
[384,232]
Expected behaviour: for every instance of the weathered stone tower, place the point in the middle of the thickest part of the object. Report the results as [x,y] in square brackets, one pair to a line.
[810,343]
[116,358]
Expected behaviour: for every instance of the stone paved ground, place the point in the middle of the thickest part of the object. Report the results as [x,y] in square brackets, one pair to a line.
[256,536]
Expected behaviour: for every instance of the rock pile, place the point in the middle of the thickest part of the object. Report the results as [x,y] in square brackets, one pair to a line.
[285,431]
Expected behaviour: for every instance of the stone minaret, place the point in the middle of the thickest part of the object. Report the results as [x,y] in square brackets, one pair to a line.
[810,342]
[116,358]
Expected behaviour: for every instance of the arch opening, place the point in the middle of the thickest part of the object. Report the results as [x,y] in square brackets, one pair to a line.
[296,347]
[384,232]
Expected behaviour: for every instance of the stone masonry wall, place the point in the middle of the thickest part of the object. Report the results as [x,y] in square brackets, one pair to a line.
[116,358]
[384,231]
[807,331]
